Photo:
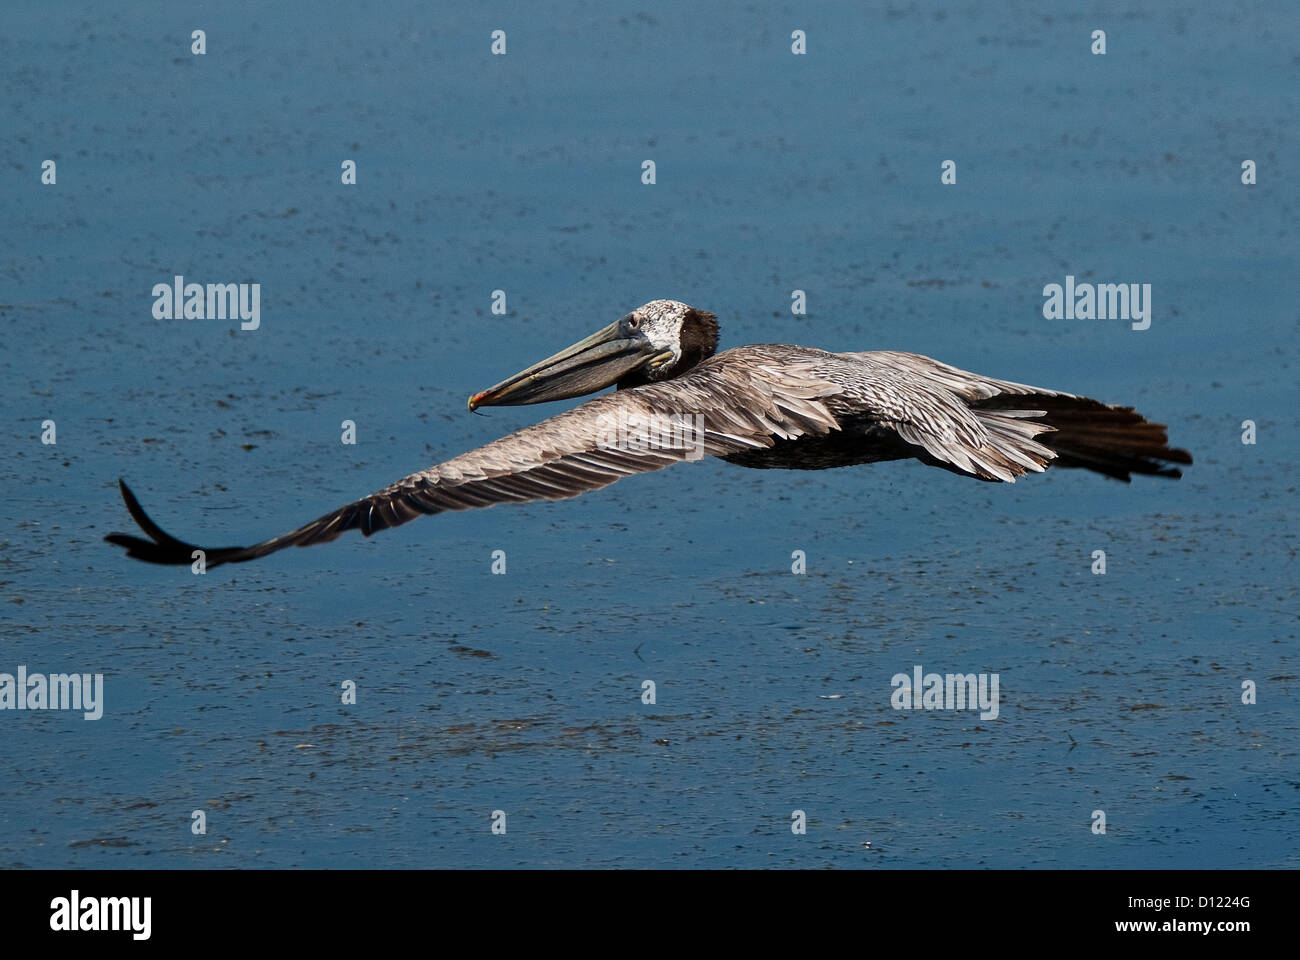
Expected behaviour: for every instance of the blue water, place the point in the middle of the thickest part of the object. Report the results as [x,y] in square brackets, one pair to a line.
[521,693]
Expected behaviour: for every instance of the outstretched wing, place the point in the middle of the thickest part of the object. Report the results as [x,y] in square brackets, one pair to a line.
[993,432]
[716,409]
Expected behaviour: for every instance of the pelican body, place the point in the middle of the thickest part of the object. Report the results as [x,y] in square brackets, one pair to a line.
[769,406]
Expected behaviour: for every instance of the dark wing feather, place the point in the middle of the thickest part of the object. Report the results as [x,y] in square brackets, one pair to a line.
[1076,431]
[579,450]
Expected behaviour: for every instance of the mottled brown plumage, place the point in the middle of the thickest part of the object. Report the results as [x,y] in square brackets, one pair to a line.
[764,406]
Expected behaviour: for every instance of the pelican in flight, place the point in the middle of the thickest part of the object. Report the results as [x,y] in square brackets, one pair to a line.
[765,405]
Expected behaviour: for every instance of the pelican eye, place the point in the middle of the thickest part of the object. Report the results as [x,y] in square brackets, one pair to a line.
[632,321]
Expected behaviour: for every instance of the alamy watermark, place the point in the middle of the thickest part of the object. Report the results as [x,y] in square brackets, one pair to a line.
[179,300]
[952,691]
[58,691]
[76,913]
[1101,301]
[640,432]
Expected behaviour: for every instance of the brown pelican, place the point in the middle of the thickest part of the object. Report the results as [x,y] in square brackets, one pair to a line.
[765,405]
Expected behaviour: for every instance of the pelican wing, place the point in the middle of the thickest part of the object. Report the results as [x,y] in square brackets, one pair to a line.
[990,431]
[716,409]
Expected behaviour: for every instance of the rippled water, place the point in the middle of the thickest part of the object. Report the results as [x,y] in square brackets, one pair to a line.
[521,692]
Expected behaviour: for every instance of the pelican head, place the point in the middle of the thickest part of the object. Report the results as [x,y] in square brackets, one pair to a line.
[657,341]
